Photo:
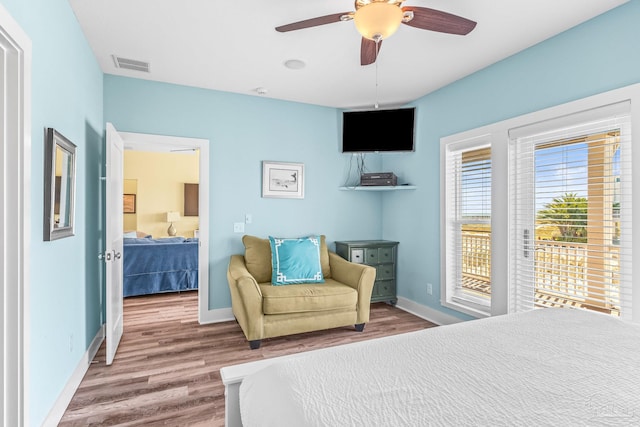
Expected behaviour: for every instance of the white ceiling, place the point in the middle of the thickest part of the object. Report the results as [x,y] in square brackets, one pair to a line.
[232,45]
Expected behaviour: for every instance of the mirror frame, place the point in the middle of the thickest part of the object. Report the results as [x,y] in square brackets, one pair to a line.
[53,141]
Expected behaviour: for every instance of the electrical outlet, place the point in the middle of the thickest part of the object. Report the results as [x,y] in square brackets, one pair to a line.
[71,343]
[238,227]
[429,289]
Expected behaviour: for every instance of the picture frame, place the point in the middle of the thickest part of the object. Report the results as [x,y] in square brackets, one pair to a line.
[283,180]
[59,186]
[129,203]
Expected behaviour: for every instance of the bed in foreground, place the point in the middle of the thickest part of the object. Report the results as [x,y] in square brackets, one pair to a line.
[543,367]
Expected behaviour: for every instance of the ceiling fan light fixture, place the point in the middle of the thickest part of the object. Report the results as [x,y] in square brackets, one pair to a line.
[377,21]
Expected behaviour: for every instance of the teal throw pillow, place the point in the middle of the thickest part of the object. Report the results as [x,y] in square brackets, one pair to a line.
[295,261]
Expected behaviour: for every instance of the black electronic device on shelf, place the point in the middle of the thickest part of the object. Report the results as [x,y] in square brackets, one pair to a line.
[378,179]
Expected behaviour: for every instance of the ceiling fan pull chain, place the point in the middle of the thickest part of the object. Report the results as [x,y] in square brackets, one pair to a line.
[377,40]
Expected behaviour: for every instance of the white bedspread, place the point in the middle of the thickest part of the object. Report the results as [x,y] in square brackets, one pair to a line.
[551,367]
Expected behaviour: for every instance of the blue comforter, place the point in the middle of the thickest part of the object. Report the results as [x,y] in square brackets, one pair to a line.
[159,265]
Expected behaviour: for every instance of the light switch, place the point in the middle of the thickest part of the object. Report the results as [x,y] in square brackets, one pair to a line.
[248,219]
[238,227]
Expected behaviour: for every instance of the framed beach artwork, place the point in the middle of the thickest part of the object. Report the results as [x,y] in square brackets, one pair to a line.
[283,180]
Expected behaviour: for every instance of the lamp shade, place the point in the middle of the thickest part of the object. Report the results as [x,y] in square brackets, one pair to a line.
[378,20]
[173,216]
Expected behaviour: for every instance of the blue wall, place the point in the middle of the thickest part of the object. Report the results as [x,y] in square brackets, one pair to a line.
[597,56]
[64,311]
[244,130]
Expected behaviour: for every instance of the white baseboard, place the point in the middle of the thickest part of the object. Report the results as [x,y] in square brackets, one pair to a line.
[216,316]
[422,311]
[427,313]
[56,413]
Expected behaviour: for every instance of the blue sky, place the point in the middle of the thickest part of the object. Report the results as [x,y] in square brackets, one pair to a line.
[558,170]
[563,169]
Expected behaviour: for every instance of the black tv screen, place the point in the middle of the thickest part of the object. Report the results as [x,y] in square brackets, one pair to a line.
[378,130]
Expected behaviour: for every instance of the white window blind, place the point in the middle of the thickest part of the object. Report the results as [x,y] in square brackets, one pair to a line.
[468,226]
[570,185]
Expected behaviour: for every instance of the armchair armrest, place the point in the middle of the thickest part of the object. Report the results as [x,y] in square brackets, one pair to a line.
[359,276]
[246,298]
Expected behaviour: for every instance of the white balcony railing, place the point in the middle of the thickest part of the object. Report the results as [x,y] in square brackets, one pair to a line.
[561,271]
[476,254]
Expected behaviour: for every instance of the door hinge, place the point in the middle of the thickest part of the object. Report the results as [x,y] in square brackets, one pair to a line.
[104,256]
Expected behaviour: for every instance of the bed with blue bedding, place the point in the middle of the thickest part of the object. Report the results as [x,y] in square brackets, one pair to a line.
[154,266]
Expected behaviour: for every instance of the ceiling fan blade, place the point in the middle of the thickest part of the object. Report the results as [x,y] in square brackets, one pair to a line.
[369,51]
[437,20]
[313,22]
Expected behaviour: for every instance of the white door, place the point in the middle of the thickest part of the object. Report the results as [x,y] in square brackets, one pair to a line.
[113,250]
[570,223]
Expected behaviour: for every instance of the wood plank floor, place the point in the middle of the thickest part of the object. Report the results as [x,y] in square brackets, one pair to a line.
[167,368]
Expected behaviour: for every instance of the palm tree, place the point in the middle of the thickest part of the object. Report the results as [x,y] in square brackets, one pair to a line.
[569,214]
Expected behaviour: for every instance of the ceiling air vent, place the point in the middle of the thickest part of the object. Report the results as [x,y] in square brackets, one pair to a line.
[131,64]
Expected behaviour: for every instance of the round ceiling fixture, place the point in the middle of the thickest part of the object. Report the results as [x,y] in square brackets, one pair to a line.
[378,20]
[294,64]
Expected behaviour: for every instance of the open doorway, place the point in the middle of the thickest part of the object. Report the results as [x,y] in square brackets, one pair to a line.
[187,227]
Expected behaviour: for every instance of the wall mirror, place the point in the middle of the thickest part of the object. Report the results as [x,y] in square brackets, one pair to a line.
[59,185]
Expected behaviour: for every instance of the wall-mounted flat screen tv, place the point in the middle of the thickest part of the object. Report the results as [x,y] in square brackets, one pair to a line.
[378,130]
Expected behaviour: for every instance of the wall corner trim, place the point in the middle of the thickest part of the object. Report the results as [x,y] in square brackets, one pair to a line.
[217,315]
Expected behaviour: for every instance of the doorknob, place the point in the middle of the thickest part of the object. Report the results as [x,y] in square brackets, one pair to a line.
[116,255]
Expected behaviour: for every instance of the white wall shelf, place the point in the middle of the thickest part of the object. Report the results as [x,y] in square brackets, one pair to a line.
[379,188]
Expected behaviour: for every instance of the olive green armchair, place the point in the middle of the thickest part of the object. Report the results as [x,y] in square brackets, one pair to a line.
[265,311]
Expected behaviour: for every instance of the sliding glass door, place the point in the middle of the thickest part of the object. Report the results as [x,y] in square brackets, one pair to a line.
[571,212]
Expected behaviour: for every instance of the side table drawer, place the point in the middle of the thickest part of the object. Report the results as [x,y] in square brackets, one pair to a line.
[386,288]
[385,254]
[357,255]
[371,256]
[385,272]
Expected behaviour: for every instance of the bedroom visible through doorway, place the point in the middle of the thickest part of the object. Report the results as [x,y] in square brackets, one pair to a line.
[161,222]
[156,169]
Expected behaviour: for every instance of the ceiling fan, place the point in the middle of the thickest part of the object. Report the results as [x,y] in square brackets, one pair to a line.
[378,19]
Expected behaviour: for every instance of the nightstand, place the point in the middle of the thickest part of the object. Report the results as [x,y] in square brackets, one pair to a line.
[380,254]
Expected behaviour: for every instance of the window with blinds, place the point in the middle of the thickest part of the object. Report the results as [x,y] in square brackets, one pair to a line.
[468,226]
[571,212]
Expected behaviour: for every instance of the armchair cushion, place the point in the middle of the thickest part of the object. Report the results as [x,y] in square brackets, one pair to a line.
[258,257]
[295,261]
[307,297]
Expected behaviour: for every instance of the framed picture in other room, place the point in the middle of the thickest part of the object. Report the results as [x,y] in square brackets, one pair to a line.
[128,203]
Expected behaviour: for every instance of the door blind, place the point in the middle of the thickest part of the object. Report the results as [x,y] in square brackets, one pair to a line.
[571,222]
